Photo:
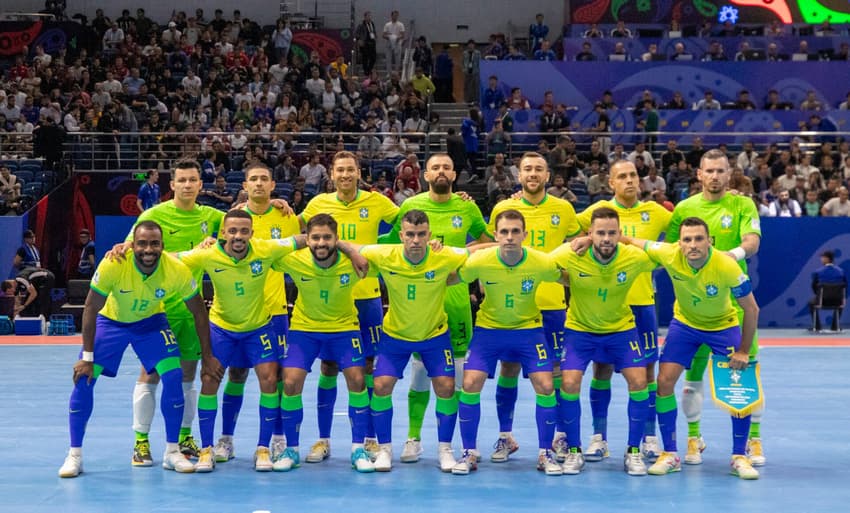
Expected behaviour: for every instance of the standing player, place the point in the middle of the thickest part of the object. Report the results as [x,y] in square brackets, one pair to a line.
[359,215]
[509,327]
[646,221]
[550,221]
[601,327]
[416,322]
[324,320]
[734,227]
[185,224]
[125,306]
[704,282]
[270,223]
[452,220]
[240,327]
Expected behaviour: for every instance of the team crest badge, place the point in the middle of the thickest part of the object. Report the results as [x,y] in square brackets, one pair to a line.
[726,221]
[621,277]
[256,267]
[556,220]
[275,232]
[457,222]
[159,293]
[711,290]
[430,275]
[364,213]
[345,279]
[205,228]
[527,285]
[644,216]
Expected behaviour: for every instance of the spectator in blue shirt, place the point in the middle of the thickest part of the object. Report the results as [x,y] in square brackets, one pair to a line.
[827,274]
[442,78]
[469,130]
[148,195]
[537,32]
[545,52]
[493,95]
[85,268]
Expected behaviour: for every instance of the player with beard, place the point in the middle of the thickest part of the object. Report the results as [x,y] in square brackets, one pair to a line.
[454,221]
[550,221]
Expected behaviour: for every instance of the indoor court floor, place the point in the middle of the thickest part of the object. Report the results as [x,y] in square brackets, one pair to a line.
[806,381]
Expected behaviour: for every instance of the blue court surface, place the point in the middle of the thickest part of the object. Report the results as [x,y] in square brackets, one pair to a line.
[804,431]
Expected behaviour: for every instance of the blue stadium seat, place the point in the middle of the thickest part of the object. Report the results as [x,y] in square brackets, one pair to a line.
[25,176]
[235,177]
[11,164]
[34,189]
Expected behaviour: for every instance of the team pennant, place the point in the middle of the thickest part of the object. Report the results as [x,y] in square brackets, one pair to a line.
[736,391]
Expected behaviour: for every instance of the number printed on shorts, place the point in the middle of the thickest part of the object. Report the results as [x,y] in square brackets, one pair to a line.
[649,341]
[557,340]
[355,343]
[267,344]
[635,345]
[541,351]
[375,334]
[168,337]
[449,358]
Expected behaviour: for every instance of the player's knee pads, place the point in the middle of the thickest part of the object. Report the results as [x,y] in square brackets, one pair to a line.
[190,398]
[692,397]
[419,381]
[757,413]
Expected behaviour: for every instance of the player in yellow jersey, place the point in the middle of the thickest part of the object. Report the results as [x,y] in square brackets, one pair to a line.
[509,327]
[601,327]
[453,220]
[273,224]
[646,220]
[416,322]
[550,222]
[240,327]
[125,307]
[185,225]
[359,215]
[704,281]
[324,321]
[734,227]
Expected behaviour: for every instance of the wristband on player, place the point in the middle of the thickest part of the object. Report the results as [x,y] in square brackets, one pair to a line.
[88,356]
[739,253]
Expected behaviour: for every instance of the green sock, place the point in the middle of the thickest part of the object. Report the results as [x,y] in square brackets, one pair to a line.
[140,437]
[417,403]
[693,428]
[185,432]
[755,430]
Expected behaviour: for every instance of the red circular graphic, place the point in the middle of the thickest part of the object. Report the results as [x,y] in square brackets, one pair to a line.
[128,205]
[85,179]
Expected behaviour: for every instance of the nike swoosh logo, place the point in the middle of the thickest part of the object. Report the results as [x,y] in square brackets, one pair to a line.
[649,354]
[178,405]
[172,232]
[172,349]
[583,275]
[677,278]
[357,359]
[272,419]
[306,279]
[491,282]
[391,272]
[361,412]
[541,364]
[125,291]
[449,369]
[219,270]
[635,360]
[75,411]
[550,422]
[265,355]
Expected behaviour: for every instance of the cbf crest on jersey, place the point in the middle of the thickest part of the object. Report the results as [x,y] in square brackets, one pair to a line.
[726,221]
[527,285]
[555,219]
[430,275]
[364,213]
[622,277]
[275,232]
[159,293]
[711,290]
[457,222]
[644,217]
[256,267]
[344,280]
[205,228]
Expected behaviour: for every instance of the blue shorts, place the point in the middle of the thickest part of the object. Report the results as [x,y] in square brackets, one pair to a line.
[553,329]
[151,338]
[619,349]
[370,313]
[303,347]
[280,326]
[246,349]
[646,324]
[436,354]
[682,342]
[527,346]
